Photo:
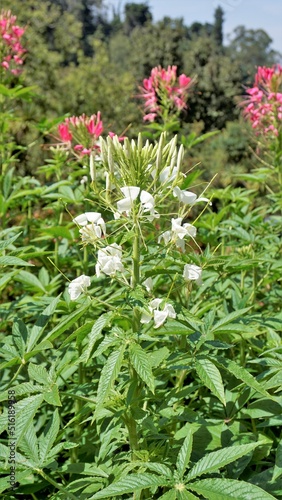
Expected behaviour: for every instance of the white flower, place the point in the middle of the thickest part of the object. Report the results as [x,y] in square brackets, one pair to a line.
[83,219]
[148,284]
[159,316]
[180,230]
[90,232]
[109,260]
[193,273]
[131,193]
[168,174]
[78,286]
[187,197]
[166,236]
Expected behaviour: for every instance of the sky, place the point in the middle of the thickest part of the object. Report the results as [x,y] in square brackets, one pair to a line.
[253,14]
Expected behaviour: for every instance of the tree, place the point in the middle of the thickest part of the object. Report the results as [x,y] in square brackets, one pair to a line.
[218,26]
[136,14]
[251,48]
[218,82]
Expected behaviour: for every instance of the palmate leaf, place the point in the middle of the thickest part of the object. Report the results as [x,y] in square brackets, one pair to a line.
[242,374]
[228,489]
[141,364]
[108,376]
[218,459]
[130,484]
[211,377]
[184,454]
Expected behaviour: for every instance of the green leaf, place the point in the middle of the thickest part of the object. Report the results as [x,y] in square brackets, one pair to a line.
[169,495]
[94,335]
[67,322]
[29,444]
[13,261]
[160,469]
[31,281]
[51,396]
[211,377]
[242,374]
[40,324]
[39,374]
[141,364]
[6,243]
[130,484]
[278,462]
[215,460]
[184,454]
[25,411]
[229,318]
[48,437]
[228,489]
[108,376]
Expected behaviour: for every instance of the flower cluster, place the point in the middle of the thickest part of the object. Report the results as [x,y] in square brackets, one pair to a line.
[158,178]
[263,106]
[11,50]
[164,91]
[81,133]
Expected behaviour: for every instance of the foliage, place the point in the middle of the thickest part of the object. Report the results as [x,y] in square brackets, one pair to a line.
[140,347]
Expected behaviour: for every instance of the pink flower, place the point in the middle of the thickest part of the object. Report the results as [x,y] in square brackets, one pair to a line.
[164,91]
[262,107]
[95,125]
[11,48]
[64,132]
[120,138]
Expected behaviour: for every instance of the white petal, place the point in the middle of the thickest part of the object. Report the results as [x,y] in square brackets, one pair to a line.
[92,216]
[81,220]
[155,303]
[131,192]
[145,317]
[166,236]
[169,309]
[124,205]
[159,318]
[147,199]
[191,230]
[192,272]
[148,284]
[188,197]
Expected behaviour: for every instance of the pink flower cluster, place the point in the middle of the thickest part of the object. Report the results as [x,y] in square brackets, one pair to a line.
[263,106]
[164,90]
[81,133]
[11,50]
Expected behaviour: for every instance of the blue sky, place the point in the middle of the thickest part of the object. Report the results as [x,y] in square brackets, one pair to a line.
[253,14]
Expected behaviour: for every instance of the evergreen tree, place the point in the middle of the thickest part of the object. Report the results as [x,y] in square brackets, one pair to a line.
[218,26]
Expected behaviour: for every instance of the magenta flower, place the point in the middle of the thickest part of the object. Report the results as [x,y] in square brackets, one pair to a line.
[81,133]
[263,105]
[164,93]
[11,50]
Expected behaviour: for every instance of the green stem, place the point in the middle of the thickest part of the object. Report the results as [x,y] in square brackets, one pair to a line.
[58,486]
[135,382]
